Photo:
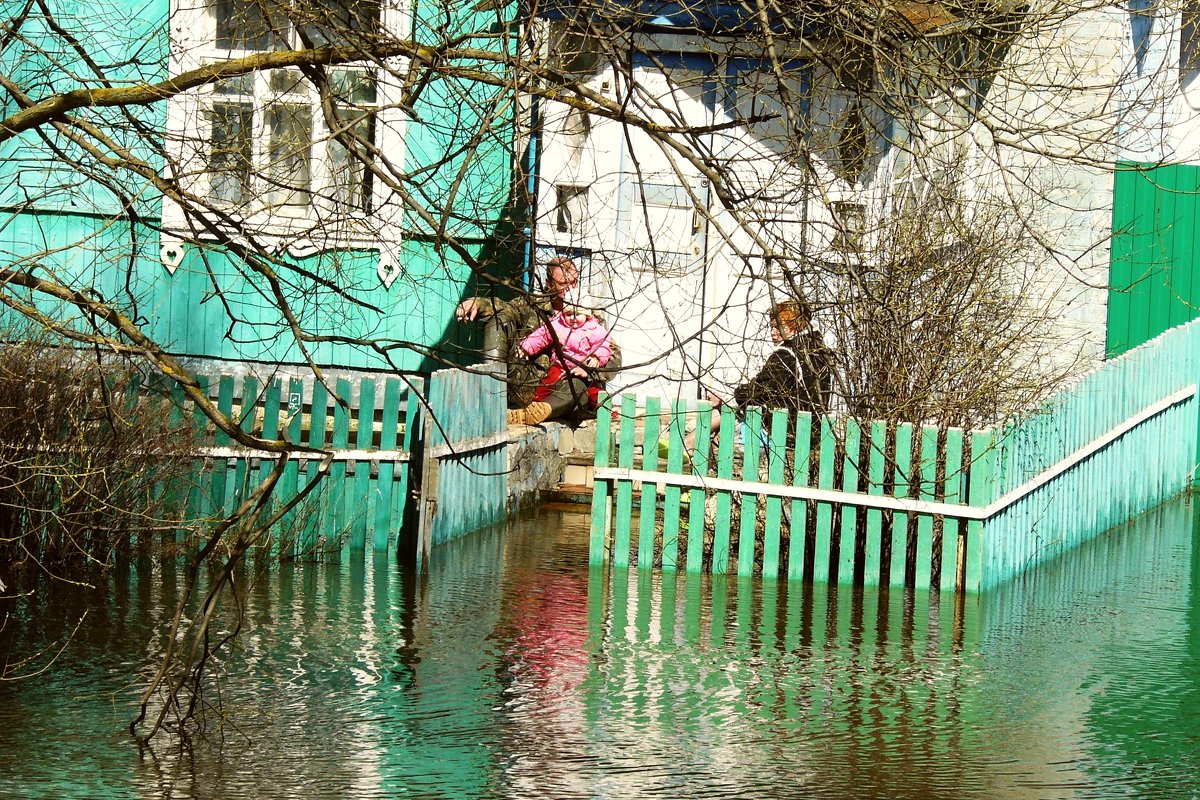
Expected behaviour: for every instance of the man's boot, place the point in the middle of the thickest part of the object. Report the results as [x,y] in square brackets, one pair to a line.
[532,414]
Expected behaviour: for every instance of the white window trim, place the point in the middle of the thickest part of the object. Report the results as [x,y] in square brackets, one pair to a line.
[293,229]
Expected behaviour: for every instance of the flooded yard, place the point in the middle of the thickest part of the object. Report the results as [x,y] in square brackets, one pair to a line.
[508,669]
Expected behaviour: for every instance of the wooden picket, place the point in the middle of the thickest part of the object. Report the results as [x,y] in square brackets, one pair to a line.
[371,438]
[696,497]
[877,503]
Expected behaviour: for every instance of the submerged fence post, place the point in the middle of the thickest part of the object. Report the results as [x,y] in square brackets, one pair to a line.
[358,499]
[923,563]
[902,481]
[290,481]
[319,404]
[876,469]
[600,487]
[776,461]
[823,541]
[948,577]
[217,492]
[848,538]
[697,497]
[648,511]
[623,520]
[798,524]
[406,499]
[748,508]
[725,442]
[388,437]
[334,516]
[980,490]
[672,495]
[245,421]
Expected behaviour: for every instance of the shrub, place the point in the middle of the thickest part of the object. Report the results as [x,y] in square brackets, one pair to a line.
[91,457]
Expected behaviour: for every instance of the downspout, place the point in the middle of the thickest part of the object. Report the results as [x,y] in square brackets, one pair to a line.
[532,164]
[703,373]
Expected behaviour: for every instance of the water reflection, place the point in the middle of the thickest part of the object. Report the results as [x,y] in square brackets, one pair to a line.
[508,669]
[751,690]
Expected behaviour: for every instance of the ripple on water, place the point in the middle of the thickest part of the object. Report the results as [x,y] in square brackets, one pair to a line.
[508,669]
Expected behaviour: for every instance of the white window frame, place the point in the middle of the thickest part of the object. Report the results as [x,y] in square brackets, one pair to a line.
[301,228]
[264,98]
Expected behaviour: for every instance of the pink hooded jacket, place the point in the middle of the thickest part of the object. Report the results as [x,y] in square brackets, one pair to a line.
[580,337]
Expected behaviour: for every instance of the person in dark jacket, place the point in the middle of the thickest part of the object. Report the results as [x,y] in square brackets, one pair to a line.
[798,376]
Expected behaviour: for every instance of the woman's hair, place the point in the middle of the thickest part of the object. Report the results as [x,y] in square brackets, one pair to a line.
[793,313]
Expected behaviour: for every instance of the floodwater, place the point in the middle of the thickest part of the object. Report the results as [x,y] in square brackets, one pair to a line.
[510,670]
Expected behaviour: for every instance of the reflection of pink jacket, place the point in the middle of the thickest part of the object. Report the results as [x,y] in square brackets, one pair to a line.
[579,338]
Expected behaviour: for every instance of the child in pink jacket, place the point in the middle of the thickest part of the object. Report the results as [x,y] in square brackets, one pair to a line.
[575,340]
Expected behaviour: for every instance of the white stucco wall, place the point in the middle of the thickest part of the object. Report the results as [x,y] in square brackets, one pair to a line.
[1069,102]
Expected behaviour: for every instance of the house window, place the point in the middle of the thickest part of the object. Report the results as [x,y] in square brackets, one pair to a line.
[571,208]
[1141,26]
[281,138]
[315,146]
[284,24]
[1189,40]
[778,107]
[849,225]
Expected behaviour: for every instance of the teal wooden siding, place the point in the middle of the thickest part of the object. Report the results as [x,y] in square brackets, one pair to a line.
[72,222]
[1155,261]
[127,37]
[464,145]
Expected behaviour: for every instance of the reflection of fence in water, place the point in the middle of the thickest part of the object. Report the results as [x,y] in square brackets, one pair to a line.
[725,659]
[878,503]
[909,675]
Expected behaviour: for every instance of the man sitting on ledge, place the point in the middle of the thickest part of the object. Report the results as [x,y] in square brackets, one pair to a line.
[508,322]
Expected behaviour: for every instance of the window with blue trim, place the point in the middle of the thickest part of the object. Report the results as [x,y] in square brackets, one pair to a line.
[1189,41]
[776,107]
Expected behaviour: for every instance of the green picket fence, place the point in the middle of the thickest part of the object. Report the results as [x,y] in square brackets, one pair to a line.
[369,426]
[841,500]
[383,435]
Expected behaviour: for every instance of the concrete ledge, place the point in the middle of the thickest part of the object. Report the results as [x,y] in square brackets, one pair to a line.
[543,457]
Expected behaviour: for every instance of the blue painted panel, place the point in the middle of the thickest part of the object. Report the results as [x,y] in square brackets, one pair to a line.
[700,62]
[711,17]
[792,69]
